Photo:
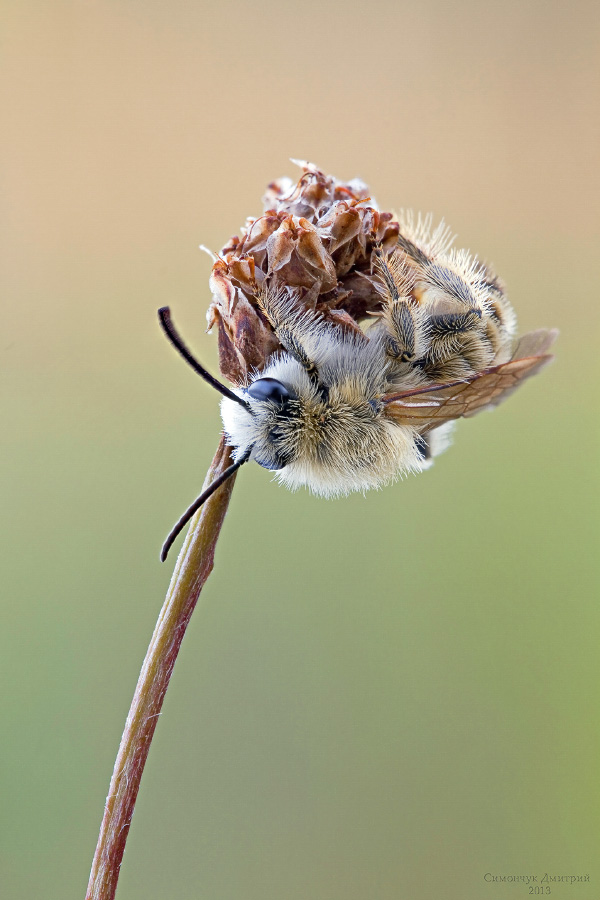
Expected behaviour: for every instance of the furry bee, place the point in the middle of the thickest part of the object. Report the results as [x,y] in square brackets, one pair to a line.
[338,411]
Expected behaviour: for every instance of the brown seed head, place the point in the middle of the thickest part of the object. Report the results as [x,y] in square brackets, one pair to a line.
[314,241]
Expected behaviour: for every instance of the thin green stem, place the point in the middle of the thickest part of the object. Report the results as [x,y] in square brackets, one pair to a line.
[193,567]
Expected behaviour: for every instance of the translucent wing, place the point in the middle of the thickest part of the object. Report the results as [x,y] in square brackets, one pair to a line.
[426,408]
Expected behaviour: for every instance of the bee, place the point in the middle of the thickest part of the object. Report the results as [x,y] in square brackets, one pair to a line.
[340,411]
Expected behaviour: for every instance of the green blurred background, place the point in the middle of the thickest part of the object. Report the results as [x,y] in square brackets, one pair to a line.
[383,697]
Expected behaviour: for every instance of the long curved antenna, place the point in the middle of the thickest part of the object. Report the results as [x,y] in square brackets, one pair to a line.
[199,501]
[164,315]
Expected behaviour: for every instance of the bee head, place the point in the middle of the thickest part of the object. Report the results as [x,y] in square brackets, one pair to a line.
[260,426]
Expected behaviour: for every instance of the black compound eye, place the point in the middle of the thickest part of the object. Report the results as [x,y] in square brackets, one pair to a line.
[273,465]
[269,389]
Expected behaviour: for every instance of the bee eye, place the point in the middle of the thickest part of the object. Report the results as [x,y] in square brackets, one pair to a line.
[270,389]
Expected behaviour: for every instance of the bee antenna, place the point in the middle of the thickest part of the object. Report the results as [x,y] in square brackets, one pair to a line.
[164,315]
[185,518]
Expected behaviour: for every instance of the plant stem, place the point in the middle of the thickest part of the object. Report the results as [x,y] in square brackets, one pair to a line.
[193,567]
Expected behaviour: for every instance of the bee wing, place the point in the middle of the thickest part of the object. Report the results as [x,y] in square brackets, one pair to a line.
[426,408]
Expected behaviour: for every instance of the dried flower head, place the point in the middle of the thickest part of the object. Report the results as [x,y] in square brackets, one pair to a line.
[314,242]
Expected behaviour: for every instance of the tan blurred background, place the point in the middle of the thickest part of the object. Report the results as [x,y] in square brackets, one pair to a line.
[384,697]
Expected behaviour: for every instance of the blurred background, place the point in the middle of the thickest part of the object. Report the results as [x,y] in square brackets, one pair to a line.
[381,697]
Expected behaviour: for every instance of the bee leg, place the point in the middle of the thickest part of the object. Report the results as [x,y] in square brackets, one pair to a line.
[450,284]
[458,346]
[401,332]
[458,279]
[501,324]
[293,345]
[446,332]
[414,253]
[274,306]
[402,317]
